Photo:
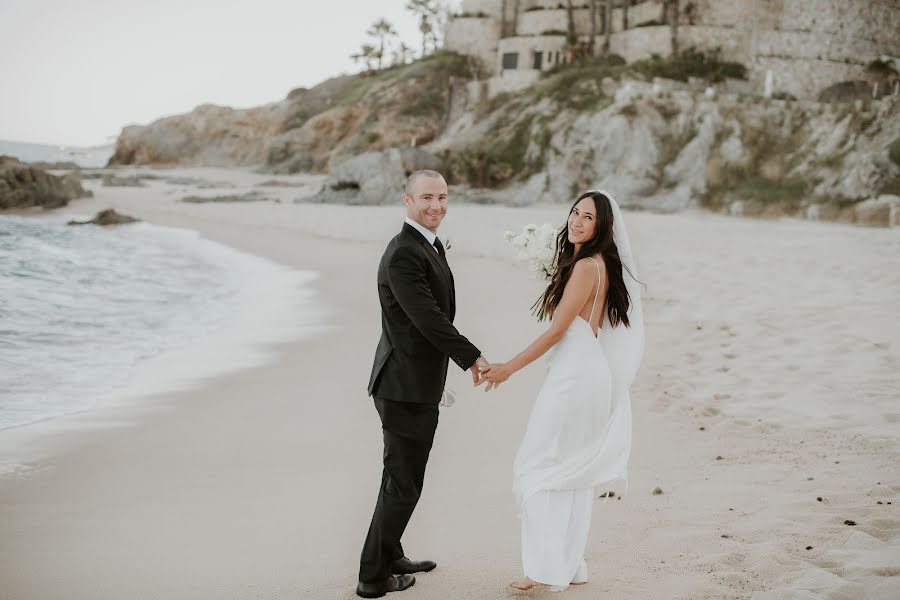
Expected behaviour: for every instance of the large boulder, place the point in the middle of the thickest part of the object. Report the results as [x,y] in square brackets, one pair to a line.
[25,186]
[374,177]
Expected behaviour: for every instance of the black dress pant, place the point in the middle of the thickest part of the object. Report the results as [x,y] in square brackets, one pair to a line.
[408,430]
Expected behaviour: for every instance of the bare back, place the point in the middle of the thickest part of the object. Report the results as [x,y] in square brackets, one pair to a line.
[597,298]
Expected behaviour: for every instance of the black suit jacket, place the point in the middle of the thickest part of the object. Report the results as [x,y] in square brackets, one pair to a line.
[418,304]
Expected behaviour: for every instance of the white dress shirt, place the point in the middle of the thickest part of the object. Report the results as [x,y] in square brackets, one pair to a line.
[429,235]
[448,397]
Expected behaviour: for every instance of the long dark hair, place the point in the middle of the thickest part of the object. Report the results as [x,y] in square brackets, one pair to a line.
[618,300]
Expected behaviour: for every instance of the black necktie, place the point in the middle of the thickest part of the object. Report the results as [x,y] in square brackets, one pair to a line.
[440,247]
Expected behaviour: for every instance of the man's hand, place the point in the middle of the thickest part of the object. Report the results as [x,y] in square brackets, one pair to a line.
[476,369]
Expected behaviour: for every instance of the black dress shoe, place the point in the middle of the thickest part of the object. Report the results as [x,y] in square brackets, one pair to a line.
[394,583]
[405,566]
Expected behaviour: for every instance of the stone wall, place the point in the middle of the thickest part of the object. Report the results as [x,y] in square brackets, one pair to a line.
[652,10]
[641,42]
[808,44]
[492,8]
[801,78]
[476,37]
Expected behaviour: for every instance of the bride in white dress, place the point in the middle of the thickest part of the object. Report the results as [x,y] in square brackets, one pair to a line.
[578,438]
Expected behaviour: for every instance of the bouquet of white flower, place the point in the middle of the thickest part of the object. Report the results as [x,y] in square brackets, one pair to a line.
[537,247]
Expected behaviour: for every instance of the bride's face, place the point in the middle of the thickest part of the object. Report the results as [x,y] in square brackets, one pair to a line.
[582,222]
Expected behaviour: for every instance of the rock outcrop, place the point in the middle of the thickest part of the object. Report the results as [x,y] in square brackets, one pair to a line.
[374,177]
[309,130]
[24,186]
[208,136]
[662,148]
[105,218]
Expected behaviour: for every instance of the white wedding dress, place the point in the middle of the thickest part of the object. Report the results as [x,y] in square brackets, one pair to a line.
[578,437]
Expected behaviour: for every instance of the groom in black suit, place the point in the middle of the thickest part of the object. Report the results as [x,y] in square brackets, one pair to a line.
[418,303]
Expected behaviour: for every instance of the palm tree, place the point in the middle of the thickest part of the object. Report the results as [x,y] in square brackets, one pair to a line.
[366,53]
[515,22]
[608,26]
[593,27]
[625,14]
[570,16]
[381,30]
[672,11]
[402,54]
[427,11]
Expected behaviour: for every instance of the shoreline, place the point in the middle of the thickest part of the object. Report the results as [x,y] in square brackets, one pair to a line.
[269,296]
[261,483]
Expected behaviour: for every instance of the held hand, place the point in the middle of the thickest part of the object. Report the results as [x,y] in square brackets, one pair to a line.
[495,374]
[477,370]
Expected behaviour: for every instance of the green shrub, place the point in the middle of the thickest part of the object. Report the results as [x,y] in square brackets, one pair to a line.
[498,160]
[892,186]
[690,63]
[894,151]
[789,192]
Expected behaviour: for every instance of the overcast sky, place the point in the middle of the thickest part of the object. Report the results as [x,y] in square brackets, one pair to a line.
[75,71]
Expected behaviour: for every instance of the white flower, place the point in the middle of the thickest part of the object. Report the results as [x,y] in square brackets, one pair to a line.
[535,246]
[520,242]
[545,255]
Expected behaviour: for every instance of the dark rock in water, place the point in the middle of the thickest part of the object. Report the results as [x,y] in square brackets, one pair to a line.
[726,536]
[278,183]
[24,186]
[55,166]
[249,197]
[809,547]
[107,217]
[122,181]
[819,498]
[850,522]
[657,491]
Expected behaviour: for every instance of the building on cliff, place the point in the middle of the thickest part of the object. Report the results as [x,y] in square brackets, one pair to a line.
[806,45]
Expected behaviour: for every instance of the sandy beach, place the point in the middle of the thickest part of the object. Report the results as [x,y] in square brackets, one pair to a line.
[767,409]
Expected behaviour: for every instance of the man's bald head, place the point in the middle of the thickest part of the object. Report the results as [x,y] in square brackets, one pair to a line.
[426,198]
[416,176]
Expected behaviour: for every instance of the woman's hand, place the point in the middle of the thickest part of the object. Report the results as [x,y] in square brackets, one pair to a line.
[495,374]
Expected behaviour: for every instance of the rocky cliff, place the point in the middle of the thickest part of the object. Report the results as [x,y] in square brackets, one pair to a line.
[311,128]
[664,145]
[663,135]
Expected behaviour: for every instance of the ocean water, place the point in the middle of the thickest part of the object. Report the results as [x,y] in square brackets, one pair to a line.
[86,157]
[81,306]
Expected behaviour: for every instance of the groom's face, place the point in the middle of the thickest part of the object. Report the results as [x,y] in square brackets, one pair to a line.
[426,204]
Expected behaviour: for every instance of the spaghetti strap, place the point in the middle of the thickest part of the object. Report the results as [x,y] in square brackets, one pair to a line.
[597,295]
